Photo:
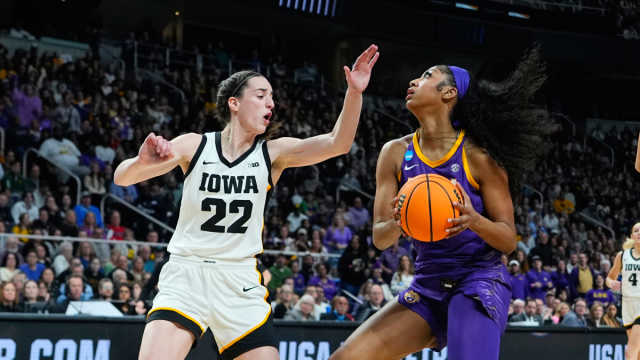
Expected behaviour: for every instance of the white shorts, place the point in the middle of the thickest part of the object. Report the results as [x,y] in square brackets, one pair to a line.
[227,297]
[630,311]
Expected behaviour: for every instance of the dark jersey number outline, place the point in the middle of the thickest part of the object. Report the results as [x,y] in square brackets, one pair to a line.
[633,279]
[220,209]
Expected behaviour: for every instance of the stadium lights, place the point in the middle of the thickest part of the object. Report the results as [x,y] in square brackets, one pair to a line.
[177,13]
[460,5]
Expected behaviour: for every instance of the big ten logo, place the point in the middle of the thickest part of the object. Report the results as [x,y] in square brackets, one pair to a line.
[606,351]
[321,350]
[63,349]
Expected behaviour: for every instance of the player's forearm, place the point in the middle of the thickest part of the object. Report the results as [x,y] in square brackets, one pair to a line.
[344,131]
[497,234]
[131,171]
[385,234]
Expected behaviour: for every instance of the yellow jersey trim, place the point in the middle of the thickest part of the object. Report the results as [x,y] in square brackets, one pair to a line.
[467,170]
[433,164]
[634,320]
[180,313]
[259,324]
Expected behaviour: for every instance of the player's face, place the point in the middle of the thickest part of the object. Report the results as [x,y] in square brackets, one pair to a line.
[255,106]
[635,232]
[423,91]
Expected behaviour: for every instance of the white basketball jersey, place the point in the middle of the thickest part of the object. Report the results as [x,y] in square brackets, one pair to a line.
[630,275]
[223,203]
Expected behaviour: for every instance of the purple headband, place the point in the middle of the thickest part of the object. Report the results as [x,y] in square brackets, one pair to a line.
[461,77]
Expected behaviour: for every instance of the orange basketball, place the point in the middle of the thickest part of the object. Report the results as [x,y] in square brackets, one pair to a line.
[426,203]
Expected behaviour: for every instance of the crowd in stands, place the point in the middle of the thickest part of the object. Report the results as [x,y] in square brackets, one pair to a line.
[86,120]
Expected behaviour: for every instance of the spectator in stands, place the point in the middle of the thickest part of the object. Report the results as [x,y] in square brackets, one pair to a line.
[23,227]
[43,221]
[295,218]
[318,248]
[30,297]
[403,277]
[105,289]
[561,277]
[78,269]
[14,183]
[32,268]
[299,282]
[528,317]
[283,240]
[75,284]
[69,226]
[137,269]
[543,249]
[93,274]
[124,298]
[9,301]
[538,280]
[56,215]
[359,215]
[90,226]
[375,303]
[577,317]
[94,182]
[521,256]
[126,193]
[283,302]
[352,265]
[9,267]
[322,305]
[116,230]
[595,316]
[26,206]
[49,279]
[322,280]
[611,319]
[85,253]
[599,293]
[84,207]
[583,277]
[390,258]
[67,115]
[279,272]
[5,209]
[123,265]
[144,252]
[13,245]
[62,261]
[303,310]
[339,310]
[519,282]
[338,235]
[63,152]
[19,280]
[27,103]
[517,309]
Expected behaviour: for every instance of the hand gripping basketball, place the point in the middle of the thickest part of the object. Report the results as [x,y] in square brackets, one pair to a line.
[468,215]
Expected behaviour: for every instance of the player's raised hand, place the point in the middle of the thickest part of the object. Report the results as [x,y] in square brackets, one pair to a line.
[360,73]
[154,149]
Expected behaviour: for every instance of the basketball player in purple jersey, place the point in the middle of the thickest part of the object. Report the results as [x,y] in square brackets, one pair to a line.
[482,136]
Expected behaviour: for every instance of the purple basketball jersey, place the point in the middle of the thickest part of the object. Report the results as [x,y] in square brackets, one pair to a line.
[465,254]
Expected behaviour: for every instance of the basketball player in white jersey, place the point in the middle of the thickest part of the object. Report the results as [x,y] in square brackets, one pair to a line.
[211,279]
[627,263]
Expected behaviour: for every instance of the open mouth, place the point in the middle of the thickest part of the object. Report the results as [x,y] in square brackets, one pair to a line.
[268,116]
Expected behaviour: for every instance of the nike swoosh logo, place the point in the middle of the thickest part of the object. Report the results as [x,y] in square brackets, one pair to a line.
[247,289]
[208,162]
[407,168]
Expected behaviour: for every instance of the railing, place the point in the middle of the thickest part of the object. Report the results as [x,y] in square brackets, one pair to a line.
[65,170]
[161,80]
[298,254]
[598,223]
[535,191]
[604,144]
[566,118]
[538,4]
[2,141]
[346,187]
[134,209]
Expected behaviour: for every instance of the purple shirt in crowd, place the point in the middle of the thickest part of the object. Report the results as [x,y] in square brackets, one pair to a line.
[605,297]
[358,217]
[328,286]
[519,285]
[298,283]
[391,258]
[339,236]
[542,277]
[28,108]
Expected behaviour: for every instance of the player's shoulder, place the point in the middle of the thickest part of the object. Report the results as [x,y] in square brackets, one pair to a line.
[398,145]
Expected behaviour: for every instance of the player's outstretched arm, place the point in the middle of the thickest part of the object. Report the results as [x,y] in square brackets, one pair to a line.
[157,156]
[292,152]
[386,228]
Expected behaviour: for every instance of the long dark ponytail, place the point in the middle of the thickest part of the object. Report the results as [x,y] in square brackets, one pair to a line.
[233,86]
[501,118]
